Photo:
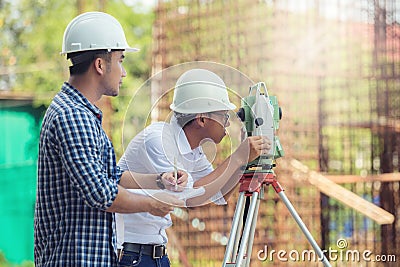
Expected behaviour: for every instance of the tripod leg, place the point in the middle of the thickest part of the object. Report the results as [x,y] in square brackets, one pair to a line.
[237,217]
[247,227]
[252,232]
[239,228]
[303,227]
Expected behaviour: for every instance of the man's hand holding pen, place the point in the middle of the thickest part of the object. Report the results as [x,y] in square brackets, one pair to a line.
[176,180]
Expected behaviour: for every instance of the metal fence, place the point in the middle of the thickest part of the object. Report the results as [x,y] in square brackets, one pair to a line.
[335,67]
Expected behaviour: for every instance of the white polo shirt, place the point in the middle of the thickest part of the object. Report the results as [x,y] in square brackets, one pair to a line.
[154,150]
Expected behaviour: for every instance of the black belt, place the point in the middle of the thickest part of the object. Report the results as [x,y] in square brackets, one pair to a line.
[156,251]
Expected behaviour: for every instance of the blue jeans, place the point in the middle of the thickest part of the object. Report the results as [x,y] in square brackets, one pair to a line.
[135,259]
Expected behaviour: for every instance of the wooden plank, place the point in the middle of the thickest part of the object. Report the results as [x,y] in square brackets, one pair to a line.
[343,179]
[9,95]
[343,195]
[174,240]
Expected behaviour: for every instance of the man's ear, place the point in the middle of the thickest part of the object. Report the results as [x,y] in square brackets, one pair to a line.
[99,65]
[200,120]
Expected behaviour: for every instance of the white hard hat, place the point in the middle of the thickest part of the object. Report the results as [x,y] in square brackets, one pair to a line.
[200,91]
[94,31]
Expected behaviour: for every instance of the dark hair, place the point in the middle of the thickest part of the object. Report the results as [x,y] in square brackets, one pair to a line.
[82,60]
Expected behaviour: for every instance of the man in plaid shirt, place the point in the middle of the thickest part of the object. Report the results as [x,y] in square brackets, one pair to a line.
[79,185]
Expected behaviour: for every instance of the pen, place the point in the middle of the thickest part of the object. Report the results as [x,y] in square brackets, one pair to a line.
[175,174]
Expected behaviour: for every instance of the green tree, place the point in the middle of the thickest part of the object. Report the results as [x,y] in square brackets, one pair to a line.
[30,42]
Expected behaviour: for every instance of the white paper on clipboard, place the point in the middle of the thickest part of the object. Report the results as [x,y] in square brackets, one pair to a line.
[187,193]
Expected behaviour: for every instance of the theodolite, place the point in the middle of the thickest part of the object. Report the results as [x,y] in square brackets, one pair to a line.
[260,114]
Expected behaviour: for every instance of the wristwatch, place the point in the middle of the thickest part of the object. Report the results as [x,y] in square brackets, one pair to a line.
[159,182]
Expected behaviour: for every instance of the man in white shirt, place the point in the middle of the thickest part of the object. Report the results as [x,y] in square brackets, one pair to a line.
[200,106]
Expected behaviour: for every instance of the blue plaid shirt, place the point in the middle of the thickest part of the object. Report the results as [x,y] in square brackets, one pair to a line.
[77,182]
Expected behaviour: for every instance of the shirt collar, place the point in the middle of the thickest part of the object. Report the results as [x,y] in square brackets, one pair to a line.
[74,93]
[181,139]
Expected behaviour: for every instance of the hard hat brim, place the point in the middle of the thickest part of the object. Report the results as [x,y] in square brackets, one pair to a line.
[126,49]
[188,108]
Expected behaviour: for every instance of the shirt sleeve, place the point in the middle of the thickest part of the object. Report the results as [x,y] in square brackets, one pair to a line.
[88,156]
[148,152]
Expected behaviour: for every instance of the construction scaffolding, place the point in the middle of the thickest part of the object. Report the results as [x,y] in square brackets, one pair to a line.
[335,67]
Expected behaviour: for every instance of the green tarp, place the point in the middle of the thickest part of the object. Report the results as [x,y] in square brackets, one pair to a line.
[19,134]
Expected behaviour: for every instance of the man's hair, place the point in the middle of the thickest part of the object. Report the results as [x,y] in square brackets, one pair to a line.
[82,60]
[184,119]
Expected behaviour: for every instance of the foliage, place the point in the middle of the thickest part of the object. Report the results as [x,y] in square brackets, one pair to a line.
[138,27]
[31,39]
